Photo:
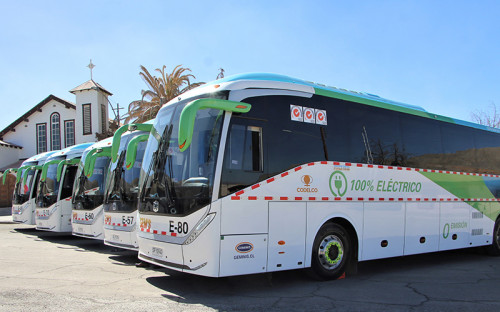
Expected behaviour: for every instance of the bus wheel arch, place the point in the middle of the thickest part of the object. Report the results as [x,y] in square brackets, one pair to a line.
[335,250]
[494,248]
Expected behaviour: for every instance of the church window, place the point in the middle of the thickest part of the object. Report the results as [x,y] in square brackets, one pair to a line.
[41,138]
[55,132]
[69,132]
[87,119]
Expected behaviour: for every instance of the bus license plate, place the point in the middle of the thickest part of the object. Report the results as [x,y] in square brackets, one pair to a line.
[157,252]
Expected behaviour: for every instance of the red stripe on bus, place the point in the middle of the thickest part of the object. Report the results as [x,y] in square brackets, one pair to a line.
[252,197]
[283,198]
[268,198]
[235,198]
[270,180]
[255,186]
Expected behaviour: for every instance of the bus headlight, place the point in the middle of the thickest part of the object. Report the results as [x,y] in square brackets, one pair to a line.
[199,228]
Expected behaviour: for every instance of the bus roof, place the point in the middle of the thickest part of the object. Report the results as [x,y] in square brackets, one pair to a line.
[275,81]
[72,151]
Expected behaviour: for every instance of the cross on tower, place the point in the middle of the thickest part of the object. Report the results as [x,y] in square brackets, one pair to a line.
[91,66]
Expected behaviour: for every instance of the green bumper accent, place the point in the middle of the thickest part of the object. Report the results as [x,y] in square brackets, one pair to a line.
[132,149]
[188,116]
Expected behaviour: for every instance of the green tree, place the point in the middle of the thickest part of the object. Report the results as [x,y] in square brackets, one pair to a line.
[160,90]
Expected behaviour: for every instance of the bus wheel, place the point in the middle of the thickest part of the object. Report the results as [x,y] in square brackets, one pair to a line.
[331,252]
[494,248]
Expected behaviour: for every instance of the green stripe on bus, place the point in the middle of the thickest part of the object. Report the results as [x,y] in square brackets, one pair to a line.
[467,186]
[380,104]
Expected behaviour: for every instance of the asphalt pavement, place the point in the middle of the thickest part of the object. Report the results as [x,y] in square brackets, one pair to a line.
[53,272]
[5,211]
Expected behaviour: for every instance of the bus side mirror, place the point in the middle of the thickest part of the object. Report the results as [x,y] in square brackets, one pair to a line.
[45,168]
[132,149]
[88,158]
[20,173]
[188,116]
[118,134]
[30,168]
[6,172]
[99,152]
[73,161]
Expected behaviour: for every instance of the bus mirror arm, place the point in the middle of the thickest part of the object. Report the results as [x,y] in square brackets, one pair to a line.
[45,168]
[118,134]
[6,172]
[132,150]
[100,152]
[73,161]
[188,116]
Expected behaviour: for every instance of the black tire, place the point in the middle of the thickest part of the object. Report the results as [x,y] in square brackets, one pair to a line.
[494,248]
[332,252]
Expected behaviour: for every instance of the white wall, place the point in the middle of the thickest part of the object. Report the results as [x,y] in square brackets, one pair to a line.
[8,155]
[95,98]
[25,134]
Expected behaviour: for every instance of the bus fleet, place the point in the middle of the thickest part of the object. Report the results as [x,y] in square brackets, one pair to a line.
[259,173]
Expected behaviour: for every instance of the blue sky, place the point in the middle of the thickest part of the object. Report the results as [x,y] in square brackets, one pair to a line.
[441,55]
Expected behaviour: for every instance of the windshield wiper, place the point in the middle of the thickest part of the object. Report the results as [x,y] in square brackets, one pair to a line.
[116,190]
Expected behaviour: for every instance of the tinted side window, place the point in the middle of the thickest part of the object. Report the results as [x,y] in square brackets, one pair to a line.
[375,136]
[487,151]
[458,148]
[422,142]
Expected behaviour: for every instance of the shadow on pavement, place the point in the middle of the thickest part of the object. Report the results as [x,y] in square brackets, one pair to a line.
[272,290]
[69,241]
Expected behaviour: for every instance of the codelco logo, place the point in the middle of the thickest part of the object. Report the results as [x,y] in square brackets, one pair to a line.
[307,180]
[244,247]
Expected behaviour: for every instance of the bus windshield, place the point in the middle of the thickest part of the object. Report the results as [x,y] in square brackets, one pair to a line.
[49,188]
[179,183]
[89,192]
[122,186]
[24,191]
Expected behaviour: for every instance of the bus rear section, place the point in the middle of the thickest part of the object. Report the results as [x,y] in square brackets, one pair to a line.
[122,187]
[54,208]
[88,191]
[310,177]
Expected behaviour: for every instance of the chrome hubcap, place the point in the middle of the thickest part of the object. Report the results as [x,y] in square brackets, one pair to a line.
[331,252]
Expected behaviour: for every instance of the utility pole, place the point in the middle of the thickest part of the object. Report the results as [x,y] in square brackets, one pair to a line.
[116,111]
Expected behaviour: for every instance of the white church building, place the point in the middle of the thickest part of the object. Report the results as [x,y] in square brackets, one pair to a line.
[54,124]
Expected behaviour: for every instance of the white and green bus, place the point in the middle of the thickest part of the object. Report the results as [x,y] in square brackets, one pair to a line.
[53,202]
[88,191]
[260,172]
[122,186]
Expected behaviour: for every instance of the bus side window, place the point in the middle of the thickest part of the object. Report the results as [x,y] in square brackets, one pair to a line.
[245,148]
[243,158]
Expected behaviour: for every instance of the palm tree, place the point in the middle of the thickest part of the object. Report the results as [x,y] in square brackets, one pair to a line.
[160,90]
